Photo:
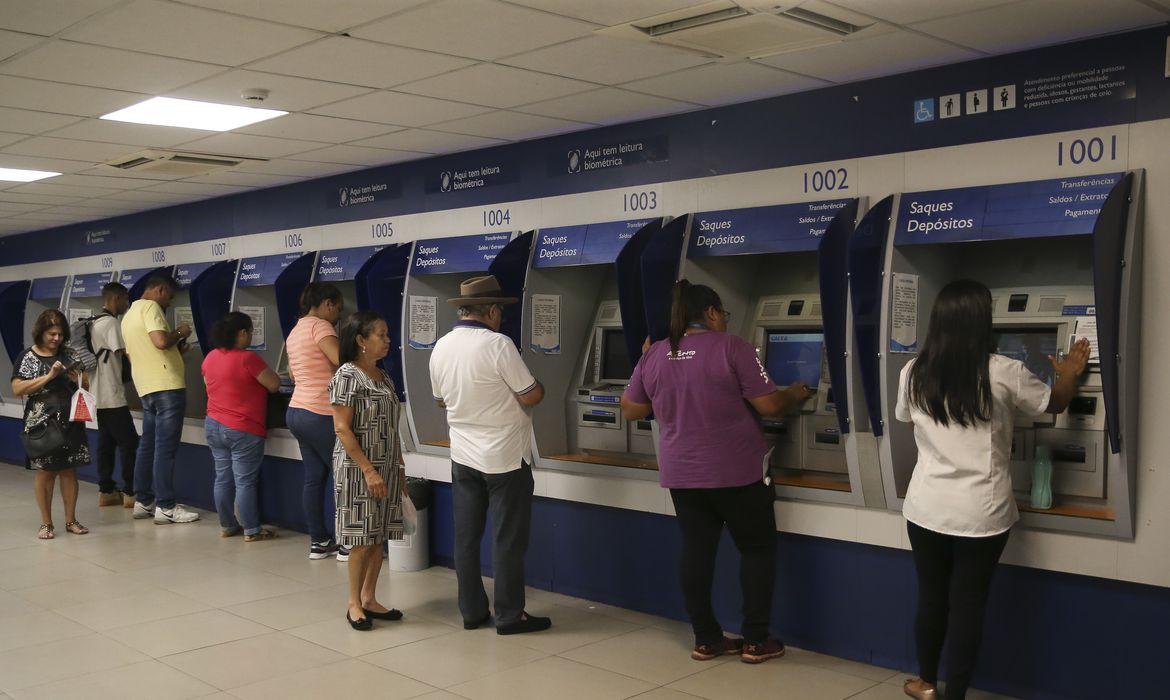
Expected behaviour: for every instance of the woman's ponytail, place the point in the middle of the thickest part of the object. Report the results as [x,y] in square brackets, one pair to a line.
[678,314]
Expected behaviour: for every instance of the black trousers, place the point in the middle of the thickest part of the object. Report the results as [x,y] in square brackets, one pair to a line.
[954,577]
[748,513]
[116,435]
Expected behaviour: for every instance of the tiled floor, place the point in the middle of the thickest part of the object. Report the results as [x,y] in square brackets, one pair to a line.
[133,610]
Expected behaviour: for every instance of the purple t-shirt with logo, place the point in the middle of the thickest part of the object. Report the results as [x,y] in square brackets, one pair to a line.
[709,434]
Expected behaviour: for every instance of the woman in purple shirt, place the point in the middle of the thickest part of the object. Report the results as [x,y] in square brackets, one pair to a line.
[707,390]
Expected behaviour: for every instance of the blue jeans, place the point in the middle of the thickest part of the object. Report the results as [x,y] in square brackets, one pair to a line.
[314,433]
[162,430]
[237,472]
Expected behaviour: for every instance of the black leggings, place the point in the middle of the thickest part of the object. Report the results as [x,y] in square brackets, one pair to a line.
[751,520]
[954,577]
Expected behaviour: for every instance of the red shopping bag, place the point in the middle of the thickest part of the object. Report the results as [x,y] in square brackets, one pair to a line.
[83,406]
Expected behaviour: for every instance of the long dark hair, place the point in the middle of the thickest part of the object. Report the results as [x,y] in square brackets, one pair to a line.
[318,293]
[950,380]
[225,330]
[358,324]
[689,303]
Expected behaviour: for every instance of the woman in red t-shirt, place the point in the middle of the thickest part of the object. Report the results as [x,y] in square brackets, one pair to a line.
[238,382]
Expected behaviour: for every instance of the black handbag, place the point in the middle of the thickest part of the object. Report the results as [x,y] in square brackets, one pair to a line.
[44,440]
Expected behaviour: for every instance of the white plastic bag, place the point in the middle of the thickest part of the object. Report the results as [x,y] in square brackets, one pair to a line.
[409,516]
[83,407]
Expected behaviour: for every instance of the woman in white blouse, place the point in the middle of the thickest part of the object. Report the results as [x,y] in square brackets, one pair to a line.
[961,397]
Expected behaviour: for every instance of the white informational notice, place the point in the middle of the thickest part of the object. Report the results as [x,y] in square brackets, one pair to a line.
[256,313]
[76,315]
[904,313]
[1087,328]
[546,324]
[183,315]
[423,322]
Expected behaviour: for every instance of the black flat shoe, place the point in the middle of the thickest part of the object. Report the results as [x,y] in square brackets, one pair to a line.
[477,623]
[528,624]
[363,624]
[391,614]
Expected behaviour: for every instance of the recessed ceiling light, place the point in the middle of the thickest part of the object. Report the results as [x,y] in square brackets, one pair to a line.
[192,114]
[15,175]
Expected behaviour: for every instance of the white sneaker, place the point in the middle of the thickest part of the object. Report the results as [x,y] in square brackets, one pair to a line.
[142,512]
[178,514]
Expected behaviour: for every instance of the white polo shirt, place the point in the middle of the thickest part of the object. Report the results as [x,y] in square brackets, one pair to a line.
[477,373]
[962,485]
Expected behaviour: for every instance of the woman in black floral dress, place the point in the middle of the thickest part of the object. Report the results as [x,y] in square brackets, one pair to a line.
[43,376]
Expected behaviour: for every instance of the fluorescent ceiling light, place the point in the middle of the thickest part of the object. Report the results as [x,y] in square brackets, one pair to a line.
[14,175]
[192,114]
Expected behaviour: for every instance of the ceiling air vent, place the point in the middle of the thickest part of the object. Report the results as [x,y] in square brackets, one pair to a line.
[747,29]
[179,163]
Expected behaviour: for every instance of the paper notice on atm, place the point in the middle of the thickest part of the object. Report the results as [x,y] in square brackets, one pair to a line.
[904,313]
[256,313]
[76,315]
[183,315]
[423,322]
[1087,328]
[546,324]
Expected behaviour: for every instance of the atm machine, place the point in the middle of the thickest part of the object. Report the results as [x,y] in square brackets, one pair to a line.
[780,271]
[134,279]
[268,289]
[85,295]
[340,266]
[436,269]
[1062,258]
[13,297]
[44,293]
[575,345]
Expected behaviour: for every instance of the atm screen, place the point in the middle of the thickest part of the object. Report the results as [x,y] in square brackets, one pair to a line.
[791,357]
[1032,346]
[615,361]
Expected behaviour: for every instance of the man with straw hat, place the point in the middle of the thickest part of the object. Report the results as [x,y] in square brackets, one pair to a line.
[478,377]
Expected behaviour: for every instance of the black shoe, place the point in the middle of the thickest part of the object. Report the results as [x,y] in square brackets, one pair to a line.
[362,624]
[528,624]
[477,623]
[391,614]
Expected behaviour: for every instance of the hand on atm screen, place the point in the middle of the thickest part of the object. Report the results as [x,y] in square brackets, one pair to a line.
[799,392]
[1068,368]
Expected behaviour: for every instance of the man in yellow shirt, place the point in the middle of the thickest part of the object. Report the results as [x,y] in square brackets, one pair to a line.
[156,364]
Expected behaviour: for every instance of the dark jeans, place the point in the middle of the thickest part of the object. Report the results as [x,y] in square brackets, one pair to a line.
[748,513]
[162,431]
[954,576]
[237,456]
[508,497]
[314,434]
[116,436]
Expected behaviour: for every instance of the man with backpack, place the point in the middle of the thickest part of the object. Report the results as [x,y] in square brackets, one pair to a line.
[116,432]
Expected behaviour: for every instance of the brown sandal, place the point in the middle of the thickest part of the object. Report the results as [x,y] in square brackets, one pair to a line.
[76,528]
[45,532]
[264,534]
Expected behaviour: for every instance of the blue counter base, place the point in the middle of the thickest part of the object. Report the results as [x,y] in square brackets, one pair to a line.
[1048,635]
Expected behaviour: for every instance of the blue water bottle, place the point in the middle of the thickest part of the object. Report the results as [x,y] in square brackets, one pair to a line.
[1042,478]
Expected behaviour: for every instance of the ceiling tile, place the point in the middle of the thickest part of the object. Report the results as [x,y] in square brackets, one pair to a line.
[724,83]
[50,188]
[94,208]
[609,12]
[24,121]
[482,29]
[603,59]
[127,133]
[28,94]
[112,183]
[245,179]
[1040,23]
[910,11]
[607,106]
[284,92]
[12,43]
[300,168]
[331,16]
[43,199]
[45,219]
[496,86]
[196,188]
[175,30]
[887,54]
[345,60]
[512,125]
[426,141]
[47,17]
[56,165]
[7,138]
[118,173]
[18,207]
[48,147]
[400,109]
[147,196]
[248,145]
[69,62]
[314,128]
[359,155]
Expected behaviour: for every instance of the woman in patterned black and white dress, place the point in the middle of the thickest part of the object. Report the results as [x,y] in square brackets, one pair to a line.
[369,474]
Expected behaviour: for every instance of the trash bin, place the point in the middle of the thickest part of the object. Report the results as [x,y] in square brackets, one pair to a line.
[412,552]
